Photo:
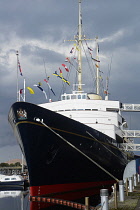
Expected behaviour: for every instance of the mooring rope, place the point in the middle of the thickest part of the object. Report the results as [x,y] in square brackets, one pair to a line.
[111,175]
[102,144]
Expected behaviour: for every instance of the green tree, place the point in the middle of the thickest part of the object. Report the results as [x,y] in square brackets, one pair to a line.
[4,164]
[17,164]
[12,165]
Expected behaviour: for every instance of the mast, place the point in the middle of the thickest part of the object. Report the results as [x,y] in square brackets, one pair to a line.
[79,46]
[17,78]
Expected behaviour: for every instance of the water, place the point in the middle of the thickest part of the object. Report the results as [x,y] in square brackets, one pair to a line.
[18,199]
[14,198]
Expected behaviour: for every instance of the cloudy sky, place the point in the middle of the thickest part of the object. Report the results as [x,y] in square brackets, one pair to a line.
[37,28]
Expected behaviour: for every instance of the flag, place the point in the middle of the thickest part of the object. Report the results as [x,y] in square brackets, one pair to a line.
[67,60]
[96,65]
[95,60]
[76,47]
[39,83]
[66,68]
[60,72]
[98,47]
[90,49]
[19,66]
[61,77]
[65,80]
[30,90]
[39,86]
[72,50]
[49,86]
[20,91]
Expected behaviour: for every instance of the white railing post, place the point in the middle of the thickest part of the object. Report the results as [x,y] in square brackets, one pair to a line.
[121,190]
[104,199]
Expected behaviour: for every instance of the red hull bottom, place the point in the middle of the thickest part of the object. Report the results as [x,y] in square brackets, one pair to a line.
[70,192]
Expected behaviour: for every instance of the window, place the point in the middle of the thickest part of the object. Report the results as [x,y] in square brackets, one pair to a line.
[83,96]
[79,96]
[73,96]
[63,97]
[13,178]
[68,97]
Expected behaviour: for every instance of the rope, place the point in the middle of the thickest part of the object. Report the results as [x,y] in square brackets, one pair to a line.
[103,144]
[99,166]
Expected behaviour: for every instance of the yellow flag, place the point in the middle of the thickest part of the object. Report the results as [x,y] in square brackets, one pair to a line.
[76,47]
[30,90]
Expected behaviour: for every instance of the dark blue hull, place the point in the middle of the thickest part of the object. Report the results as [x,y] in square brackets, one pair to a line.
[65,156]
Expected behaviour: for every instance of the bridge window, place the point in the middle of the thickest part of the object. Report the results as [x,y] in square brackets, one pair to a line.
[68,97]
[73,96]
[79,96]
[63,97]
[83,96]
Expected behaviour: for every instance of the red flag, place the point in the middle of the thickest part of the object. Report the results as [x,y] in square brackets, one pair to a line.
[45,80]
[20,91]
[60,71]
[66,68]
[67,60]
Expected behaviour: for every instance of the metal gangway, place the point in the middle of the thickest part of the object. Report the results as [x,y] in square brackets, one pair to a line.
[130,107]
[129,146]
[131,133]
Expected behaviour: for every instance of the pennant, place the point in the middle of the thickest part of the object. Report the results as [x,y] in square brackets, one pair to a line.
[19,66]
[67,60]
[72,50]
[65,80]
[30,90]
[98,47]
[39,83]
[55,73]
[76,47]
[96,65]
[20,91]
[60,72]
[61,77]
[49,86]
[90,49]
[95,60]
[39,86]
[66,68]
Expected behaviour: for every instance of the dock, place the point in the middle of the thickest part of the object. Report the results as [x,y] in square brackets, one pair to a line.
[131,201]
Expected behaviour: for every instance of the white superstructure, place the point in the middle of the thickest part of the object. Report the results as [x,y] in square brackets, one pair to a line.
[102,115]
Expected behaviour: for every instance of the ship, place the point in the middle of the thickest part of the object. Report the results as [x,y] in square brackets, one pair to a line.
[73,146]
